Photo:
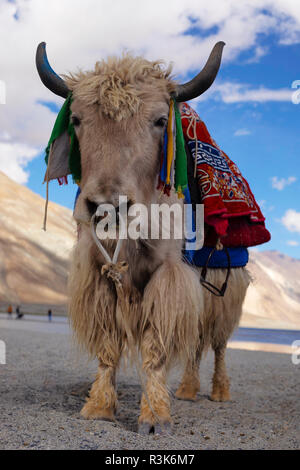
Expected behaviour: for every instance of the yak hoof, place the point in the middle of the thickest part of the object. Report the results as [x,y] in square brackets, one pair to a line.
[94,412]
[158,429]
[220,394]
[187,392]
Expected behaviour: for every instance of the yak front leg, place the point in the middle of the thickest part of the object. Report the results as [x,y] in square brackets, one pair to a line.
[155,404]
[221,384]
[102,400]
[172,312]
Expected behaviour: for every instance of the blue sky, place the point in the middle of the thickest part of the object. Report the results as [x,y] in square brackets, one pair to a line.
[248,111]
[272,146]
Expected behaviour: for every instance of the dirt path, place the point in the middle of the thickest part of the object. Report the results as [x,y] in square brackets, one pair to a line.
[44,383]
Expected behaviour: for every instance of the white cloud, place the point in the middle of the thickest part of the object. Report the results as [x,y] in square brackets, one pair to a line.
[280,184]
[79,33]
[230,92]
[290,28]
[13,158]
[291,220]
[258,54]
[240,132]
[292,243]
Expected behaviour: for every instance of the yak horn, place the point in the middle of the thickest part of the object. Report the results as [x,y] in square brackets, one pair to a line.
[204,79]
[49,78]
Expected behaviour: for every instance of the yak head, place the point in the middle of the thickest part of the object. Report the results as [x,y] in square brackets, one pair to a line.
[119,112]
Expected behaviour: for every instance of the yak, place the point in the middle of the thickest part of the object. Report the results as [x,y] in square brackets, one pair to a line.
[119,112]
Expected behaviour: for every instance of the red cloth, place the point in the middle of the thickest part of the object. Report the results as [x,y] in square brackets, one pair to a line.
[230,209]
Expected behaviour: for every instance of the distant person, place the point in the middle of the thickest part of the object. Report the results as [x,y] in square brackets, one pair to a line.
[18,312]
[9,311]
[50,314]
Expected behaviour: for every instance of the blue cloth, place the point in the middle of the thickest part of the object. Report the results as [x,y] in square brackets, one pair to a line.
[76,197]
[238,257]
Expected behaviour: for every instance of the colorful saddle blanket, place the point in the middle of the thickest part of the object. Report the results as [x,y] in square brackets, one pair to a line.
[231,212]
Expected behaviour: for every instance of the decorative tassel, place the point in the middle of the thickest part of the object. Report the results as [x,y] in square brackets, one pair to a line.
[173,165]
[62,180]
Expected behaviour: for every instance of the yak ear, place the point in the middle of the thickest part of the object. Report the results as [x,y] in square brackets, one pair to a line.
[58,161]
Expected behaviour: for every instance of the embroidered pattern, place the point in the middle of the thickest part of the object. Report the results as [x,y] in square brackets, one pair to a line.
[208,154]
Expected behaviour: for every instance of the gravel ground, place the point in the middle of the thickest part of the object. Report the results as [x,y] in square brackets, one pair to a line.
[45,381]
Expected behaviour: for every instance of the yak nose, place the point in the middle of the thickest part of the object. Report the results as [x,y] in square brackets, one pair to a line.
[122,205]
[92,206]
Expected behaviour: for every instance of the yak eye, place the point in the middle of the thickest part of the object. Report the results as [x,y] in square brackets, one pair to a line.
[161,122]
[75,120]
[91,206]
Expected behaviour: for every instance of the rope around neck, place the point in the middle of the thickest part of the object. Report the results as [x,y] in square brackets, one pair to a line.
[47,189]
[105,254]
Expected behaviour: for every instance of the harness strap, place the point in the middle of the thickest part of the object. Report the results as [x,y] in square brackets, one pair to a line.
[208,285]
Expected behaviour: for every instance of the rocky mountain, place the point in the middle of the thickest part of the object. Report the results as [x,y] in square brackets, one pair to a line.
[273,298]
[34,264]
